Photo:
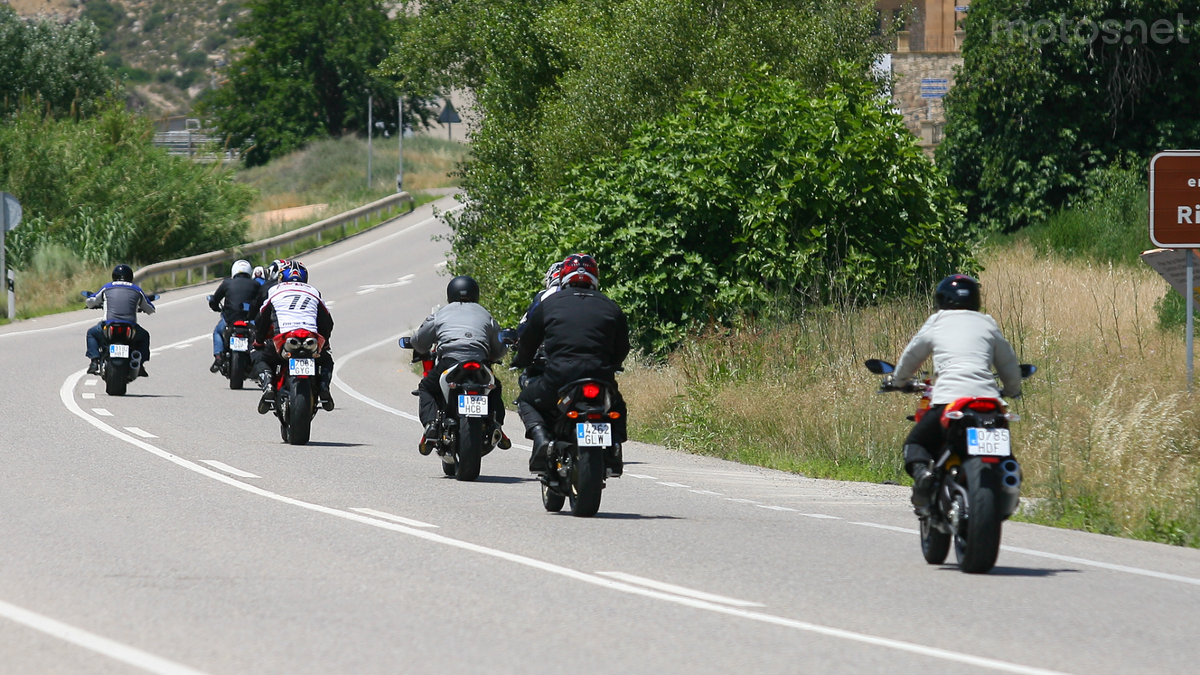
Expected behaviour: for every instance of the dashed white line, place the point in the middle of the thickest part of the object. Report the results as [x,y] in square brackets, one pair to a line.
[440,265]
[102,412]
[640,475]
[91,382]
[820,515]
[680,590]
[740,501]
[140,432]
[706,492]
[673,484]
[87,394]
[222,466]
[774,508]
[389,516]
[893,528]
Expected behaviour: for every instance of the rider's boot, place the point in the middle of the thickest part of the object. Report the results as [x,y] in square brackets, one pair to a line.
[505,442]
[430,440]
[923,480]
[323,394]
[268,396]
[142,371]
[94,367]
[541,449]
[216,364]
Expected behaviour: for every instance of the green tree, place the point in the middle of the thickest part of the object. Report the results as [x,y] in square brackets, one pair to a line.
[1038,108]
[306,73]
[50,63]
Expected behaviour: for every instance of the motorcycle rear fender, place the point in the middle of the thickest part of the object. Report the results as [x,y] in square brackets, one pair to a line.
[444,382]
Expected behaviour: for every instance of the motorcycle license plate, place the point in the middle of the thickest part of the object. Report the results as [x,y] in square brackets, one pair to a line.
[302,367]
[990,442]
[239,344]
[590,435]
[118,351]
[472,406]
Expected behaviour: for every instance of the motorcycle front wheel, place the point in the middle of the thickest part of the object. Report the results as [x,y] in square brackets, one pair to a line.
[587,481]
[935,544]
[977,544]
[552,501]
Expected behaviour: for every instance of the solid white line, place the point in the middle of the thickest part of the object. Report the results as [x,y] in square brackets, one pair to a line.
[893,528]
[389,516]
[87,394]
[387,238]
[820,515]
[741,501]
[229,469]
[639,475]
[337,381]
[1108,566]
[140,432]
[102,412]
[706,492]
[774,508]
[673,484]
[68,399]
[101,645]
[680,590]
[174,345]
[91,382]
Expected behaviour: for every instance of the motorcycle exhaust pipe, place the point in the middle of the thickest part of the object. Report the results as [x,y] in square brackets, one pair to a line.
[1010,478]
[496,436]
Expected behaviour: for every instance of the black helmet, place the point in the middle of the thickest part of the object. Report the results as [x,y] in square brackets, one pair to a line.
[958,291]
[123,273]
[462,289]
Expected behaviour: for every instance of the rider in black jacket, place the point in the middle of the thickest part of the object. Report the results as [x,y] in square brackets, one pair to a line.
[240,296]
[585,334]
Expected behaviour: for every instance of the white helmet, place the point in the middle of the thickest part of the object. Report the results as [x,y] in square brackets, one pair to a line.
[553,275]
[259,273]
[241,267]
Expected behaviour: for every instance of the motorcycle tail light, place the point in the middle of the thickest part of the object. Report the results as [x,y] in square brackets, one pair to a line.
[594,416]
[591,390]
[983,406]
[614,415]
[472,365]
[472,393]
[572,414]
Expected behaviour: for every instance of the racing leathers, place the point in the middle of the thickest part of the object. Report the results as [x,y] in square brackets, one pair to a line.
[291,306]
[462,331]
[121,300]
[965,346]
[235,300]
[585,335]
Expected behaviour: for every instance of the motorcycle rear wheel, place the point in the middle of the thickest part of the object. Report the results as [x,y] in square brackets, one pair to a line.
[470,445]
[116,378]
[587,481]
[935,544]
[552,501]
[300,411]
[978,547]
[237,369]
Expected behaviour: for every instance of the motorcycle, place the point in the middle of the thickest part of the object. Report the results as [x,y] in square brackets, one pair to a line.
[119,362]
[468,430]
[977,479]
[235,358]
[295,403]
[583,454]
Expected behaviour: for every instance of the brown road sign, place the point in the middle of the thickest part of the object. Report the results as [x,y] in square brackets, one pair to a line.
[1175,199]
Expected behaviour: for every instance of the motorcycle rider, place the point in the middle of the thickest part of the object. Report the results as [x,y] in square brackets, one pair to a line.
[463,331]
[271,277]
[965,344]
[585,335]
[239,293]
[122,300]
[552,278]
[292,304]
[259,275]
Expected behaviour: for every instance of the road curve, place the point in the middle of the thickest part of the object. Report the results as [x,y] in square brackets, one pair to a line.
[171,532]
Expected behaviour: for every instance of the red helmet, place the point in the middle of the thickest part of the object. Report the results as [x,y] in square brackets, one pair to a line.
[580,269]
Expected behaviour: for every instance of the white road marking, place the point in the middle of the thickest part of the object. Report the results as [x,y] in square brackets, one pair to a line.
[640,475]
[90,322]
[340,384]
[229,469]
[90,382]
[441,264]
[68,387]
[176,345]
[140,432]
[102,412]
[1103,565]
[90,641]
[184,346]
[774,508]
[740,501]
[706,492]
[680,590]
[673,484]
[893,528]
[364,292]
[391,236]
[371,288]
[820,515]
[87,394]
[329,303]
[398,519]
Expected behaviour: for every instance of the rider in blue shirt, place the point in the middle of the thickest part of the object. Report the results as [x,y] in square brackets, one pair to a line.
[122,299]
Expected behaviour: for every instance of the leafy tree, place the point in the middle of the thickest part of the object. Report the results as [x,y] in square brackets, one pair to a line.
[306,73]
[44,62]
[738,200]
[1037,109]
[107,16]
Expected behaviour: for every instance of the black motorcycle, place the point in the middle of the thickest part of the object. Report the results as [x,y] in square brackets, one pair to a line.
[584,453]
[467,428]
[235,362]
[978,481]
[120,363]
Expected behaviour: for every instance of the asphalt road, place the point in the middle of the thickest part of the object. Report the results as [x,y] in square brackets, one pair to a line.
[170,531]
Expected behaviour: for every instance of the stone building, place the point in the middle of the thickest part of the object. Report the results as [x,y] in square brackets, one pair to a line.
[928,49]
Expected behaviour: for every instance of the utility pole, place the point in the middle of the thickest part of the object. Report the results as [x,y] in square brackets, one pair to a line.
[400,136]
[370,132]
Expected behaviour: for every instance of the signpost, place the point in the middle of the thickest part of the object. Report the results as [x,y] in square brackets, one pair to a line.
[10,217]
[448,117]
[1175,225]
[932,87]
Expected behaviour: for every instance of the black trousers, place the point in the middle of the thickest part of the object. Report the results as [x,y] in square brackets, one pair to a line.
[926,438]
[537,404]
[431,400]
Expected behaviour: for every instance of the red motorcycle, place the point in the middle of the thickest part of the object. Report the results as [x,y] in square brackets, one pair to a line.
[296,383]
[978,482]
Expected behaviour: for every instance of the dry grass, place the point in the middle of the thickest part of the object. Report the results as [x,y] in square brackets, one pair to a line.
[1109,432]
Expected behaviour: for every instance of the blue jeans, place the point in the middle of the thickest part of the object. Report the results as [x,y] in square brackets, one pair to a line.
[95,338]
[219,337]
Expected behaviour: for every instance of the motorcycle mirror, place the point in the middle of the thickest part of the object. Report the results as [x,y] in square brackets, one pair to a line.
[154,296]
[406,343]
[86,294]
[208,298]
[1027,370]
[508,336]
[879,367]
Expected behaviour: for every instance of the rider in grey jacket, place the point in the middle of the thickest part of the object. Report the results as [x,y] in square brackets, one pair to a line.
[463,331]
[965,345]
[122,300]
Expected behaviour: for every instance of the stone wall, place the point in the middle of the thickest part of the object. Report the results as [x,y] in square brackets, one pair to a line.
[908,69]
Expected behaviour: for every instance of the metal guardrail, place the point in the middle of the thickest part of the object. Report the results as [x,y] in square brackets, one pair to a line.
[204,260]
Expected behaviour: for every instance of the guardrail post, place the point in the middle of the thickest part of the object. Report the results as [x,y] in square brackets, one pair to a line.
[189,276]
[318,235]
[206,274]
[172,278]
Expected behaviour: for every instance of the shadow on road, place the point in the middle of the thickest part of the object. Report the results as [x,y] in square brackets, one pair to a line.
[500,479]
[631,516]
[149,396]
[332,444]
[1019,571]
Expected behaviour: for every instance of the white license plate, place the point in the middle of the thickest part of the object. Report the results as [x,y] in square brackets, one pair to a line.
[472,406]
[118,351]
[239,344]
[302,367]
[990,442]
[590,435]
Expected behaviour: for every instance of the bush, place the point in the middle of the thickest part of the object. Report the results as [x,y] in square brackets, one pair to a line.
[193,60]
[51,63]
[138,75]
[101,189]
[188,79]
[154,22]
[165,75]
[214,41]
[739,200]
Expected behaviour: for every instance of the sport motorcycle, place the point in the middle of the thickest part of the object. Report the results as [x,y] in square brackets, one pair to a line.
[295,402]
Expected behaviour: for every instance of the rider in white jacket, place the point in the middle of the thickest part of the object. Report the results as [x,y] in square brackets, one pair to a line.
[965,344]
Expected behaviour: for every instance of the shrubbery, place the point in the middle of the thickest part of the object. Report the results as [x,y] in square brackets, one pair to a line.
[55,65]
[738,200]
